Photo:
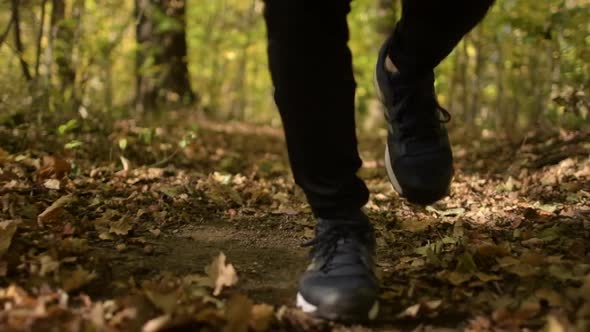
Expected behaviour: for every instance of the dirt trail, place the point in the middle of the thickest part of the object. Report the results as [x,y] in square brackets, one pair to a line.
[509,249]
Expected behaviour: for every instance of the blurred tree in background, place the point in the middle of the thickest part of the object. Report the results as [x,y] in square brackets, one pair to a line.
[527,64]
[161,69]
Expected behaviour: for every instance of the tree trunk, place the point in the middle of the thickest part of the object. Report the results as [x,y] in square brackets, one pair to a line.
[162,75]
[62,41]
[475,106]
[18,44]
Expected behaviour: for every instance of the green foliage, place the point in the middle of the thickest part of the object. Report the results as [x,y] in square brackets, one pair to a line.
[525,64]
[67,127]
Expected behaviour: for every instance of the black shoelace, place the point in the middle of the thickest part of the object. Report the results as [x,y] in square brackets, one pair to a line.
[326,242]
[424,121]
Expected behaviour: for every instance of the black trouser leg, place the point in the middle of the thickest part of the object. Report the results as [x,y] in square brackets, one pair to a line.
[430,29]
[311,68]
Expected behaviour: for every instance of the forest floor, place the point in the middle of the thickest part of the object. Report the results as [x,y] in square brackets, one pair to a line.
[123,230]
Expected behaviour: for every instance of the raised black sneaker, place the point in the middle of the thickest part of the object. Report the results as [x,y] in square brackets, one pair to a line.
[340,283]
[418,155]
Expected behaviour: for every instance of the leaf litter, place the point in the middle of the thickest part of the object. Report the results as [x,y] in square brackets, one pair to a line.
[88,242]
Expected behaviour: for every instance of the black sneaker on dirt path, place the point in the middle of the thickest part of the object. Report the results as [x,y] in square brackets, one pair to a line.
[418,155]
[340,283]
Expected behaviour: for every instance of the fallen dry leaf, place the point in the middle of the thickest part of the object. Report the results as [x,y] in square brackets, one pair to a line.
[411,311]
[48,265]
[77,279]
[165,301]
[53,184]
[457,278]
[420,309]
[53,167]
[7,230]
[121,226]
[126,164]
[156,324]
[556,325]
[300,321]
[54,210]
[221,274]
[3,155]
[237,312]
[261,317]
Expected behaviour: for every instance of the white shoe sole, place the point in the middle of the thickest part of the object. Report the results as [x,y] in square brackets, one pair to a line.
[390,172]
[313,310]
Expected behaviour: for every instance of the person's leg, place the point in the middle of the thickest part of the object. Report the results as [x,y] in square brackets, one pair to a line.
[311,69]
[430,29]
[418,155]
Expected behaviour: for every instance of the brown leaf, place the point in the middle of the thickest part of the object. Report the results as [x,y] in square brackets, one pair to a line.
[420,308]
[261,317]
[457,278]
[532,258]
[19,296]
[55,209]
[53,184]
[48,265]
[3,155]
[121,226]
[221,274]
[7,230]
[410,312]
[486,277]
[53,167]
[554,324]
[507,261]
[237,312]
[300,321]
[417,225]
[165,301]
[156,324]
[522,270]
[77,279]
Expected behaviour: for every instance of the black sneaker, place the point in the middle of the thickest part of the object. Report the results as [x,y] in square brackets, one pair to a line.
[340,283]
[418,154]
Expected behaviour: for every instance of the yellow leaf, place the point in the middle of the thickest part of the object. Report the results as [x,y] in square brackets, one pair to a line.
[221,274]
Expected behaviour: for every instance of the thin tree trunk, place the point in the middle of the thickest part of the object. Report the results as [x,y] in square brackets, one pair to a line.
[40,38]
[454,85]
[499,114]
[478,71]
[240,103]
[62,46]
[18,41]
[463,76]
